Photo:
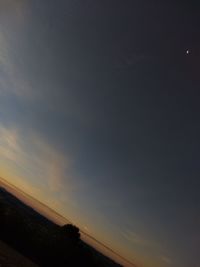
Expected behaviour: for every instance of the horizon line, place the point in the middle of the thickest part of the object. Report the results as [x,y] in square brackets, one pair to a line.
[66,219]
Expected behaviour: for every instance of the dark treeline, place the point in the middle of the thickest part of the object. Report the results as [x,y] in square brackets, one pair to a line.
[44,242]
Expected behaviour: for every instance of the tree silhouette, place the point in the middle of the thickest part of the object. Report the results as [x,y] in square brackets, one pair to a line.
[71,232]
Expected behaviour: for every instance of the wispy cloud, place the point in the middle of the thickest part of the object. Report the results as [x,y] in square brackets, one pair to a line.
[136,238]
[166,260]
[33,158]
[13,17]
[14,12]
[11,79]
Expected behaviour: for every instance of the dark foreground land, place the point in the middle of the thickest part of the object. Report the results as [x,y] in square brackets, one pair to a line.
[35,237]
[11,258]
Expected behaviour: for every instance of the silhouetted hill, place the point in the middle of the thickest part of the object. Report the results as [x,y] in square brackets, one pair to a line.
[22,207]
[43,241]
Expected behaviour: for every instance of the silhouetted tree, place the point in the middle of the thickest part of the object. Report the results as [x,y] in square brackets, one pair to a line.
[71,232]
[44,242]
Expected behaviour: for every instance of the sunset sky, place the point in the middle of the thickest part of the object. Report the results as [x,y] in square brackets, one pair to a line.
[100,119]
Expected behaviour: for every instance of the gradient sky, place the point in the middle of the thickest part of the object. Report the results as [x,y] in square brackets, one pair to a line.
[100,119]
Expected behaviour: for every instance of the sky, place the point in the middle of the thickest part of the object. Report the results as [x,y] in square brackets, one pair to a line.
[99,119]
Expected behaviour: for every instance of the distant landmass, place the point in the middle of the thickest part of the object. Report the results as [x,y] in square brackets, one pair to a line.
[42,241]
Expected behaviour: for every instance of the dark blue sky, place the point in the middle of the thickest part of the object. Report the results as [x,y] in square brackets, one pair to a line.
[99,119]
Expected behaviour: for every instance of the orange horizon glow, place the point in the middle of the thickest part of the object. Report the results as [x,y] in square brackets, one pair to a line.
[59,219]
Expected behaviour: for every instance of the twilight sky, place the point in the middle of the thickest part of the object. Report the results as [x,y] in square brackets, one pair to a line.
[100,119]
